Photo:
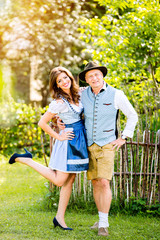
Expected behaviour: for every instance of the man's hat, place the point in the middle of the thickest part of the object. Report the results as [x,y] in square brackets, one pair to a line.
[91,66]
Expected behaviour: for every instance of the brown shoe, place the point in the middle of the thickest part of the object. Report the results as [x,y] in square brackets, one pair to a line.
[95,226]
[102,231]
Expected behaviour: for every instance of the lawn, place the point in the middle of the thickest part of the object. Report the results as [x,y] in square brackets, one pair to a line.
[22,215]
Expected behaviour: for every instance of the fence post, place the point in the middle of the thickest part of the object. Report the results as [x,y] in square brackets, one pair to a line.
[158,134]
[155,168]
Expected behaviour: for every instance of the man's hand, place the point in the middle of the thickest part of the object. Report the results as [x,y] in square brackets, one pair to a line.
[60,124]
[118,143]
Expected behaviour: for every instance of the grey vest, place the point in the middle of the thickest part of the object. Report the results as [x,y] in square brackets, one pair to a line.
[100,116]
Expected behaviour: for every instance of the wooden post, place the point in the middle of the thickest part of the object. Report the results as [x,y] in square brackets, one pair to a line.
[158,152]
[137,165]
[131,171]
[140,180]
[144,169]
[155,169]
[127,169]
[118,170]
[120,178]
[151,169]
[147,163]
[79,184]
[85,186]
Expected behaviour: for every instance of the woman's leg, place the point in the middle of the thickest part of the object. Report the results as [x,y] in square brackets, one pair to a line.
[65,194]
[58,178]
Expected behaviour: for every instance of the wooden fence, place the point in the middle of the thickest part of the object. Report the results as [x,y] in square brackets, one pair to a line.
[136,171]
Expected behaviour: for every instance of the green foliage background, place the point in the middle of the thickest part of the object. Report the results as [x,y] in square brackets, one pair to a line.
[19,127]
[127,40]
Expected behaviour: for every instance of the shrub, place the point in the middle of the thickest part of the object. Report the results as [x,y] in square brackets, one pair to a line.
[19,127]
[133,207]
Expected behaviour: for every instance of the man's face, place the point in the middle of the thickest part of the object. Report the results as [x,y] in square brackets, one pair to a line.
[94,78]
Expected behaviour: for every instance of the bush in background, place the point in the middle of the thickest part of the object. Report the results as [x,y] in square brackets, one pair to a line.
[19,127]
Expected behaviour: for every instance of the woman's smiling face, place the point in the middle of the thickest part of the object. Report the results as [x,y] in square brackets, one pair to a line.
[64,82]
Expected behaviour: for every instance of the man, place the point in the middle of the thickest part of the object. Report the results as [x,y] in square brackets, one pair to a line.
[101,105]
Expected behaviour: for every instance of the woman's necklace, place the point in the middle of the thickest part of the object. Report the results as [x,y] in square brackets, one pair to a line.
[66,101]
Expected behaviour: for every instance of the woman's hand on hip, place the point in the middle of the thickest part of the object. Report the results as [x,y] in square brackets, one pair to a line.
[69,135]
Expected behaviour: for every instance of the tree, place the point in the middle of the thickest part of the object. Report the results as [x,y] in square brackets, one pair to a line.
[126,39]
[36,35]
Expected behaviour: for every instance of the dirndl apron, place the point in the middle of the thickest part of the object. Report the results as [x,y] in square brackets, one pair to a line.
[77,154]
[71,155]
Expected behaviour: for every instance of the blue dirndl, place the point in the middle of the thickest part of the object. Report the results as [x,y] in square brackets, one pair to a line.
[71,155]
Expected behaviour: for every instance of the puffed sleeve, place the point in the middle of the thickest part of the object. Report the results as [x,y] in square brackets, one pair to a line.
[57,107]
[81,89]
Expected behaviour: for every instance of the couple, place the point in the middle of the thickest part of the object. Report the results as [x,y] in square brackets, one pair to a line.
[100,103]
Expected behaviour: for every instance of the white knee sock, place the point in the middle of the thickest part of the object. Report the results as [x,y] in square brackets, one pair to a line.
[103,220]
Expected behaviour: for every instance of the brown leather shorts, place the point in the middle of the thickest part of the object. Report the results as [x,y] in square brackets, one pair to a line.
[101,161]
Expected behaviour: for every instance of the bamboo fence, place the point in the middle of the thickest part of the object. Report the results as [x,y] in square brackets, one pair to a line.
[136,171]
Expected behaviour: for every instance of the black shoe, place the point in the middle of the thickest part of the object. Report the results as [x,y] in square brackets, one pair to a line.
[15,155]
[56,223]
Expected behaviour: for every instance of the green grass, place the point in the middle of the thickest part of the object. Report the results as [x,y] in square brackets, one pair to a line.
[22,215]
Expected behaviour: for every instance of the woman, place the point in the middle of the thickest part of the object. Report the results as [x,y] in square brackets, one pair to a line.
[69,155]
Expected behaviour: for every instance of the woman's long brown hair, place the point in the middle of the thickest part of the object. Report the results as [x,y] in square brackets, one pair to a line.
[57,92]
